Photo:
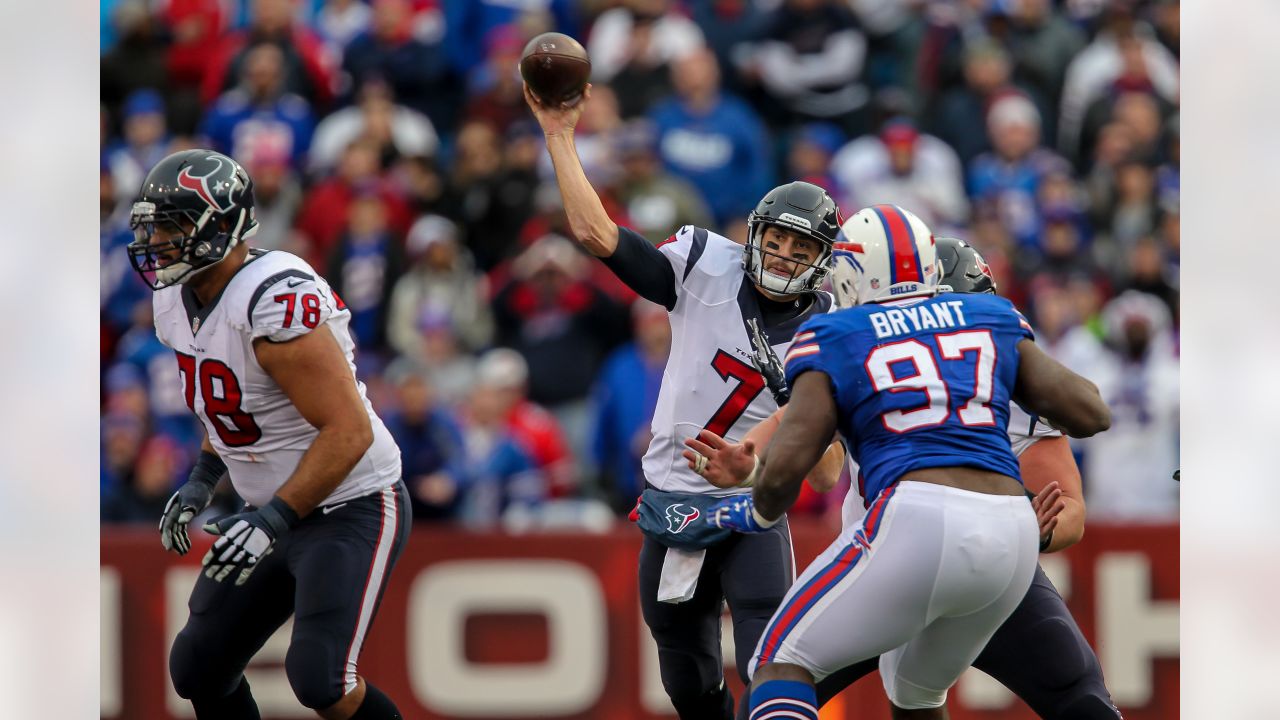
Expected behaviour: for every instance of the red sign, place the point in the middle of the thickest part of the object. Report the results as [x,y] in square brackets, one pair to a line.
[548,626]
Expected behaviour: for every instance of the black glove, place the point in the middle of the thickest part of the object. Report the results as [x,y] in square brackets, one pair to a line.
[766,362]
[190,500]
[247,537]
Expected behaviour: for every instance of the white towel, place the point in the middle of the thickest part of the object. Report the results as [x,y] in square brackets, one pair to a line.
[680,569]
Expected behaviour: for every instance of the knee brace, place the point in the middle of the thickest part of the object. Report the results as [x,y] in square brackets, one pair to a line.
[315,673]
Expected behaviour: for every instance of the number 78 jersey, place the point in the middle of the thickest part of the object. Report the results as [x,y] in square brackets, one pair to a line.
[919,384]
[250,421]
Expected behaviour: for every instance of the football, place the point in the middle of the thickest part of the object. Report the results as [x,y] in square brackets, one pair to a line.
[556,68]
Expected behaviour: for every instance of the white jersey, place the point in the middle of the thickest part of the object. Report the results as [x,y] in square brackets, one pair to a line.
[1024,430]
[249,420]
[709,380]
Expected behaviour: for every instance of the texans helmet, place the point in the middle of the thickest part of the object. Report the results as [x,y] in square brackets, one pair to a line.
[802,208]
[963,269]
[202,198]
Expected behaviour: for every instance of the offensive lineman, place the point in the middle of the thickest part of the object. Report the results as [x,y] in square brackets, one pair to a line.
[266,360]
[1039,652]
[919,385]
[711,287]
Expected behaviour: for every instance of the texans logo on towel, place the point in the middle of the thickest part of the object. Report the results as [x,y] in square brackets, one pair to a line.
[679,516]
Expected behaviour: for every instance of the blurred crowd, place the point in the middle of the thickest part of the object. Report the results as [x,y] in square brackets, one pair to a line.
[390,146]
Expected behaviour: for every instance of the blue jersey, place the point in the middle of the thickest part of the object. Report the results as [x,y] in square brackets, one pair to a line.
[919,385]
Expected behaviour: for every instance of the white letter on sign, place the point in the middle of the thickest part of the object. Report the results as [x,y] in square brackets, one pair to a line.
[569,681]
[110,647]
[1132,628]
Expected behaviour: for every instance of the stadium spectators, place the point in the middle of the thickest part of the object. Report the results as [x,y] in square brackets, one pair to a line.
[440,281]
[309,70]
[417,71]
[1135,366]
[399,130]
[809,64]
[259,111]
[657,202]
[712,139]
[632,47]
[432,453]
[902,166]
[623,401]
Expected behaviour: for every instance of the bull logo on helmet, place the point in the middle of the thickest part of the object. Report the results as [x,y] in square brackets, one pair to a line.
[679,516]
[199,184]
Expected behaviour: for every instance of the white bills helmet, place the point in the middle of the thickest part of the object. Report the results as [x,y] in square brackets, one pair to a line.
[884,252]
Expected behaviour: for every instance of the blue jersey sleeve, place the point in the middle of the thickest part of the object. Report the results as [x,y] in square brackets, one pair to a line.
[1002,312]
[820,345]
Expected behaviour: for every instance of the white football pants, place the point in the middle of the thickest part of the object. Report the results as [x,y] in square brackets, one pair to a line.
[923,581]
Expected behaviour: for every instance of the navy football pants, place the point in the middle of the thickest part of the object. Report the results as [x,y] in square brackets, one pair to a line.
[750,572]
[329,572]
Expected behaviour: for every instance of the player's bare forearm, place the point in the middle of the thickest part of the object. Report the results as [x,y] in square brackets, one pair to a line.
[1070,529]
[313,372]
[797,445]
[826,473]
[1050,460]
[1065,399]
[763,431]
[588,220]
[324,466]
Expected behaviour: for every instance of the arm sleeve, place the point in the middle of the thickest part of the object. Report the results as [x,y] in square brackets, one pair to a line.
[290,304]
[648,270]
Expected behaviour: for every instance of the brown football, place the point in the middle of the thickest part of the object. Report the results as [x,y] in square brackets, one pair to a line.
[556,68]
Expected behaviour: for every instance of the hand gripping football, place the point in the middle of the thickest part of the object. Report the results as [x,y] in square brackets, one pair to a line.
[556,68]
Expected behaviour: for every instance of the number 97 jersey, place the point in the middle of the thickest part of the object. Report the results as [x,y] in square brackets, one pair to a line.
[919,384]
[250,421]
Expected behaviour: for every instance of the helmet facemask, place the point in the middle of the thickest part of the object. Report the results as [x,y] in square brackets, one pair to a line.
[805,277]
[197,240]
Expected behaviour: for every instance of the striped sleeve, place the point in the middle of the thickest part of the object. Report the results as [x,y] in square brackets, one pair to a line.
[805,352]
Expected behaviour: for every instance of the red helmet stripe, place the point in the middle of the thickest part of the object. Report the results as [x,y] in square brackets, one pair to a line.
[905,261]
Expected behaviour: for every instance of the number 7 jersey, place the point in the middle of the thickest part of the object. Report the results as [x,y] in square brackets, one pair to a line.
[250,421]
[919,384]
[709,380]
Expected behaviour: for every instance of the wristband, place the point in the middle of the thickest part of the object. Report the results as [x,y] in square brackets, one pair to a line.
[753,475]
[208,469]
[1046,541]
[761,520]
[279,516]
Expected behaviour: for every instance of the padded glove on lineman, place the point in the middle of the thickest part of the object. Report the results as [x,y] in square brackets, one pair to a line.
[738,513]
[247,537]
[766,362]
[190,500]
